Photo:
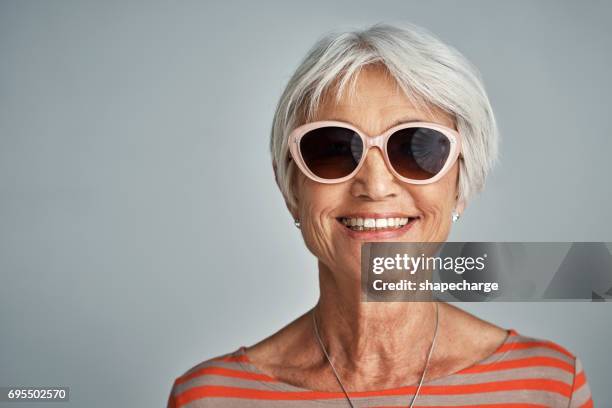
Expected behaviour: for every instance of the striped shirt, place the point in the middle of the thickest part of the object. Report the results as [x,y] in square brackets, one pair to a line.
[522,372]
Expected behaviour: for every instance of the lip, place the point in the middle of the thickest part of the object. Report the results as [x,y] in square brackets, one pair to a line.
[373,235]
[377,215]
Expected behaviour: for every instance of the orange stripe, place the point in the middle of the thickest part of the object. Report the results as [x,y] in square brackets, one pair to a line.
[213,391]
[537,384]
[588,404]
[219,391]
[224,372]
[533,344]
[519,363]
[579,380]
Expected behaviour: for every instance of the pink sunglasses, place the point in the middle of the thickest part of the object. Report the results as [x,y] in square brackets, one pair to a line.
[415,152]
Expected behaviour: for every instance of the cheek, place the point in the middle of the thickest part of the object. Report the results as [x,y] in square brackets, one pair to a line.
[315,209]
[313,200]
[436,198]
[436,203]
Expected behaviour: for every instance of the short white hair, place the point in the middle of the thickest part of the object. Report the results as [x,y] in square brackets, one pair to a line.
[426,69]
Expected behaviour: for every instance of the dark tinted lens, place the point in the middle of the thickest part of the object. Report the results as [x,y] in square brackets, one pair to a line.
[331,152]
[418,153]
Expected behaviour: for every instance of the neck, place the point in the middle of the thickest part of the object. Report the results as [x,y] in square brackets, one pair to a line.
[372,339]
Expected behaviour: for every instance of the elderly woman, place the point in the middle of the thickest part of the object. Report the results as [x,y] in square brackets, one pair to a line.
[383,135]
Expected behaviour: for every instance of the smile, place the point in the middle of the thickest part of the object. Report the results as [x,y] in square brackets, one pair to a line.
[375,224]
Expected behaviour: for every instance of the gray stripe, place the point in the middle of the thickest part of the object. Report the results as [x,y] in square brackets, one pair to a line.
[243,403]
[223,381]
[213,363]
[550,373]
[498,397]
[581,396]
[538,352]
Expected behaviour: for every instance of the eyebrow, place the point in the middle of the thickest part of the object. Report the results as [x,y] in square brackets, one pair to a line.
[400,121]
[406,120]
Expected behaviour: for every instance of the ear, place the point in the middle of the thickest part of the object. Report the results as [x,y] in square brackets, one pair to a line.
[293,212]
[460,207]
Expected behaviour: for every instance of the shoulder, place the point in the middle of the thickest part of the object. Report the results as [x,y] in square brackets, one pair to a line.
[469,332]
[211,378]
[518,359]
[523,345]
[549,361]
[473,333]
[547,356]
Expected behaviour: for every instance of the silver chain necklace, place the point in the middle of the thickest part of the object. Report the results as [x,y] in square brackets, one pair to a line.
[431,348]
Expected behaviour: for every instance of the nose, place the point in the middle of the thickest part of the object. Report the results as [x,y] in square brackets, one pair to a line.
[374,181]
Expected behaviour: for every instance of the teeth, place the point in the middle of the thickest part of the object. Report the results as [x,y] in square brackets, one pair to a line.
[381,223]
[371,224]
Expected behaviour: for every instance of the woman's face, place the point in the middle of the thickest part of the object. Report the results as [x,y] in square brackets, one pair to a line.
[377,105]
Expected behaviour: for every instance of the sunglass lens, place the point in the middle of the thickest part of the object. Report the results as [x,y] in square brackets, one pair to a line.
[418,153]
[331,152]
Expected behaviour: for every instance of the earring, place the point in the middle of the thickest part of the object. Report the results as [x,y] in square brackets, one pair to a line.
[296,222]
[456,216]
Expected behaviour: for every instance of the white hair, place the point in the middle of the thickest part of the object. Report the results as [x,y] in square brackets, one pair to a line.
[426,69]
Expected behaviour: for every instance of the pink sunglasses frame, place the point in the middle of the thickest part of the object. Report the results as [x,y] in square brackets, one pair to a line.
[379,141]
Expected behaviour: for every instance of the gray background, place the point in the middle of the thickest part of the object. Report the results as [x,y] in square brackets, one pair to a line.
[141,231]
